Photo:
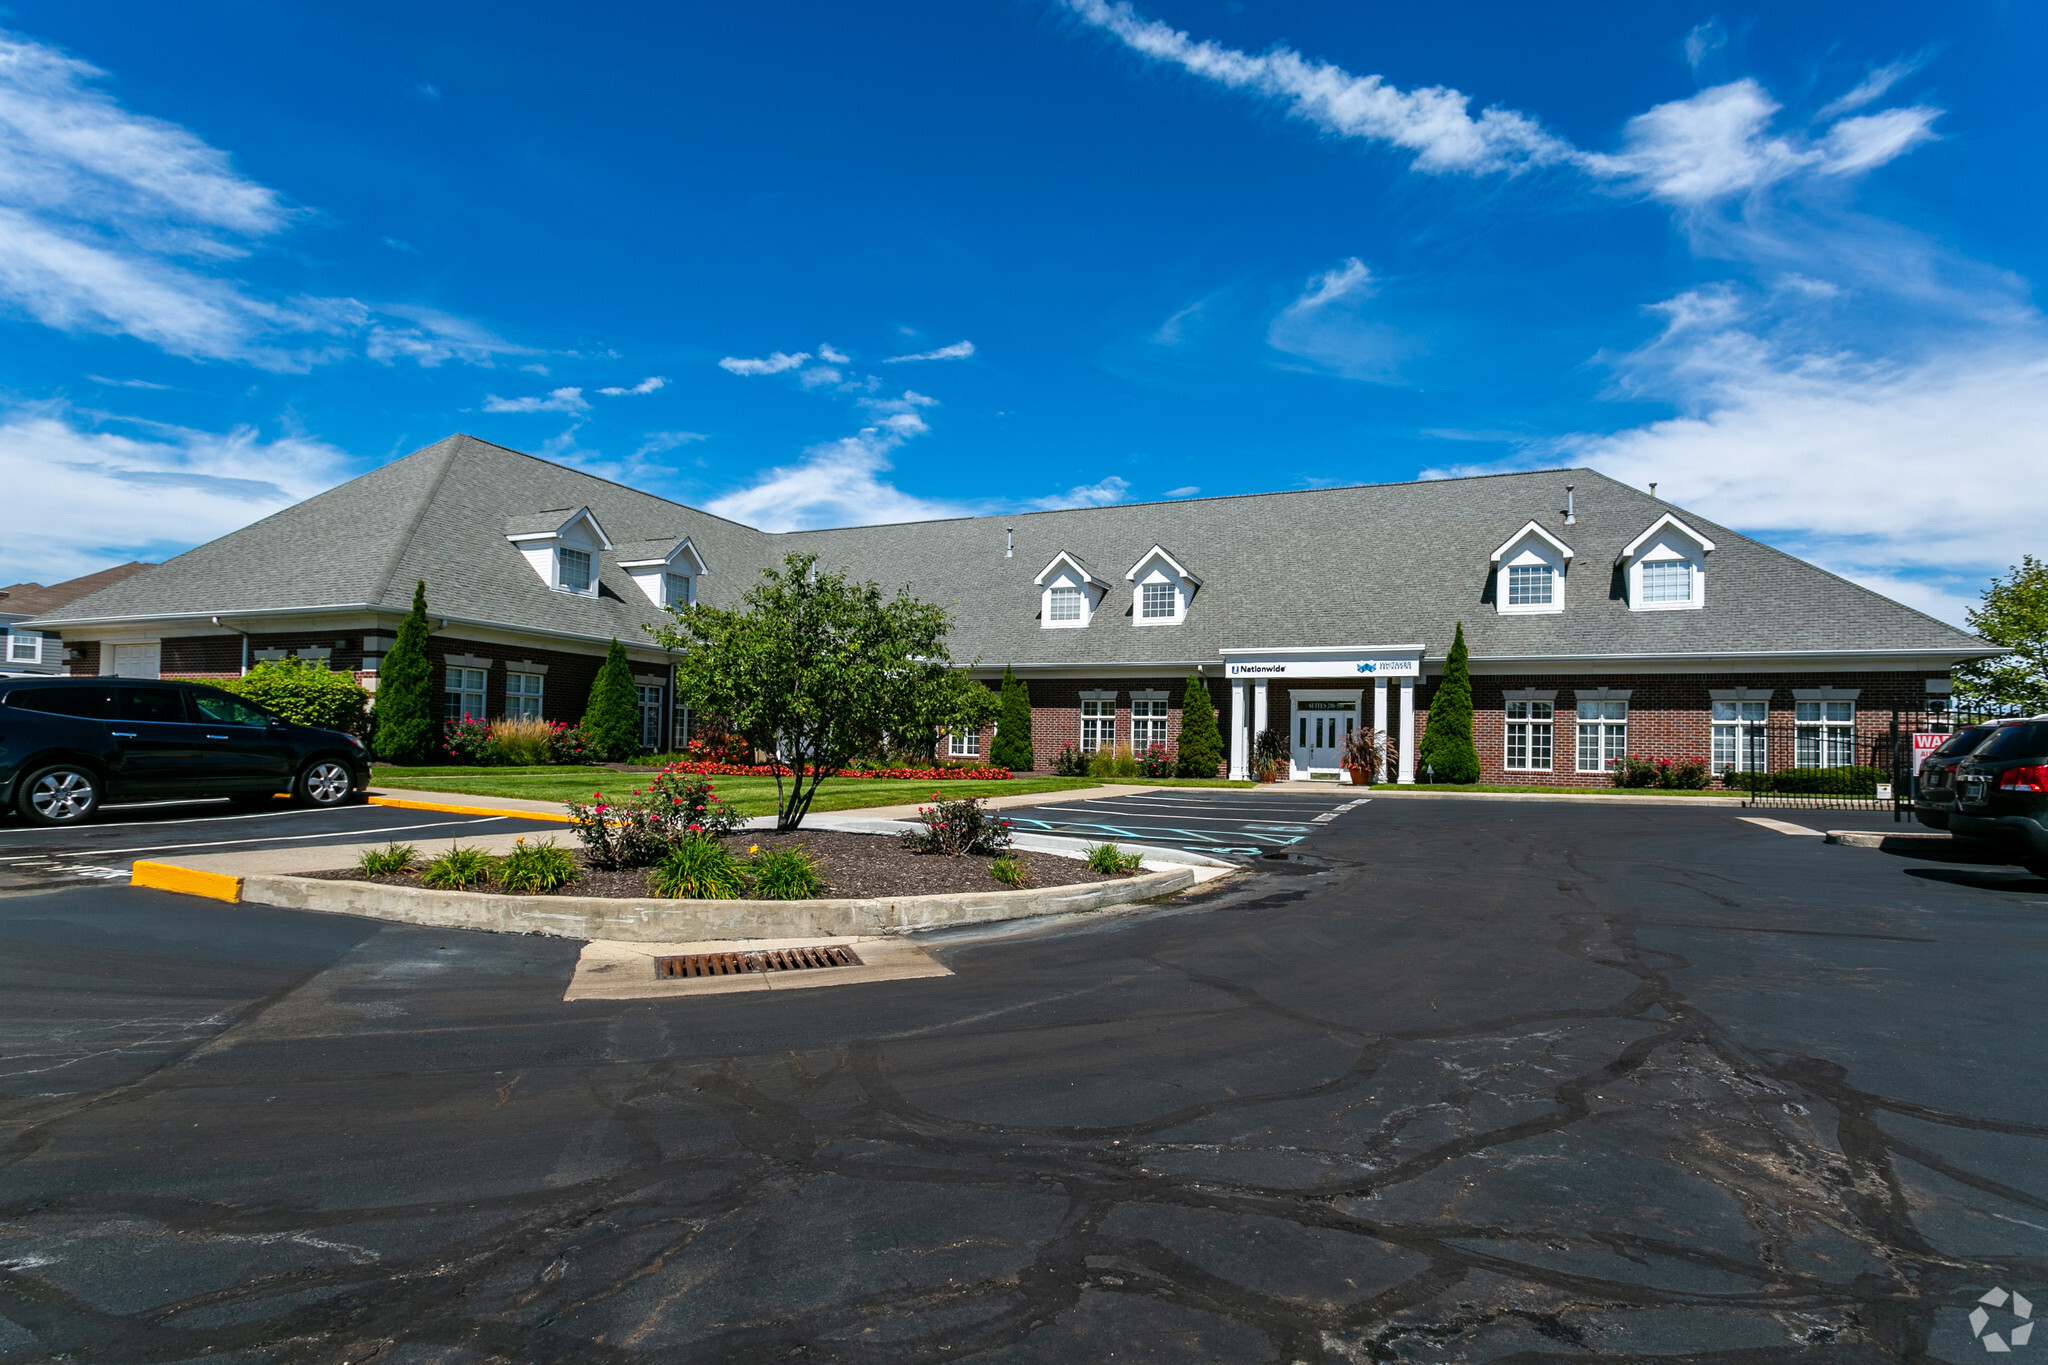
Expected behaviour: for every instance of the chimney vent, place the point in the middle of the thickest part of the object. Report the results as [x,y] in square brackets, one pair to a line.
[1571,515]
[1009,544]
[1653,489]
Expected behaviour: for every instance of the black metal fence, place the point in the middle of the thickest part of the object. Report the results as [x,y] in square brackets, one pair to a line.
[1883,741]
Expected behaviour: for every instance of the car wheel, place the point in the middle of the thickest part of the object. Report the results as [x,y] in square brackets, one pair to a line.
[323,782]
[61,794]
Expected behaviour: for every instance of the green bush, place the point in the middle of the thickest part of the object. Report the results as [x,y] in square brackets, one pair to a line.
[385,861]
[304,692]
[611,722]
[1113,765]
[1012,748]
[1010,872]
[532,869]
[1113,860]
[404,708]
[1070,762]
[1201,743]
[788,874]
[1826,781]
[1446,752]
[457,868]
[698,868]
[958,827]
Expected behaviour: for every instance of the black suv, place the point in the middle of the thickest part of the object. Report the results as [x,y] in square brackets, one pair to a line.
[69,745]
[2002,792]
[1935,800]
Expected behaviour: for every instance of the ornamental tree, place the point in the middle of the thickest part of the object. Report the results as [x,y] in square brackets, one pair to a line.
[1446,746]
[2014,613]
[817,669]
[1012,748]
[611,720]
[404,710]
[1201,743]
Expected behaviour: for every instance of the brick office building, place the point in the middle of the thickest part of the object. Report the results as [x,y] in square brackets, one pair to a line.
[1600,620]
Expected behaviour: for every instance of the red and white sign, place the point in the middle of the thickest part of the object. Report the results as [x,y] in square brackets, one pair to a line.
[1924,745]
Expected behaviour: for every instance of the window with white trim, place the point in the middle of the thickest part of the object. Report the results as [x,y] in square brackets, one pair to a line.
[574,570]
[964,744]
[1157,603]
[463,694]
[1066,604]
[24,647]
[1667,580]
[522,695]
[1530,585]
[1529,735]
[1603,735]
[1741,738]
[1826,733]
[1148,724]
[676,590]
[649,699]
[1098,726]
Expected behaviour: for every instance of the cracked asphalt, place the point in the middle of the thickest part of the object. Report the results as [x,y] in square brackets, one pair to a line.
[1468,1081]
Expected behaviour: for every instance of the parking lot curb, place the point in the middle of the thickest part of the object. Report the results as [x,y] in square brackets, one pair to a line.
[190,881]
[1863,838]
[450,808]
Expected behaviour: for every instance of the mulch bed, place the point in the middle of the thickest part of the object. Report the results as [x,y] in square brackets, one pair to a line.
[856,866]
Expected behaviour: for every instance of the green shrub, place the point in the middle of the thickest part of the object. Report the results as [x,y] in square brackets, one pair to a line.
[304,692]
[385,861]
[1070,762]
[532,869]
[404,709]
[457,868]
[611,722]
[1201,743]
[1828,781]
[1012,747]
[958,827]
[698,868]
[1113,860]
[1010,872]
[1446,752]
[1113,765]
[1271,752]
[788,874]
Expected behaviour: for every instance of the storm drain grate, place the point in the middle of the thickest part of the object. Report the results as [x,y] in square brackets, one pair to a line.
[770,960]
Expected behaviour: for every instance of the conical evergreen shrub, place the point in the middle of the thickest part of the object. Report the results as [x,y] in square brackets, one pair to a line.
[1012,748]
[1201,743]
[1446,753]
[403,714]
[611,721]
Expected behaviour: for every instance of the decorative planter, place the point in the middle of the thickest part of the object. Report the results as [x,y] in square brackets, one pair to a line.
[1269,775]
[1361,777]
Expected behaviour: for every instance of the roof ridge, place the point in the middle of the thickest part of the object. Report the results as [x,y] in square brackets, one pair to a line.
[419,512]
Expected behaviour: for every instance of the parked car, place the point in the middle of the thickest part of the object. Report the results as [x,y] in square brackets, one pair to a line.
[70,745]
[1936,799]
[2002,793]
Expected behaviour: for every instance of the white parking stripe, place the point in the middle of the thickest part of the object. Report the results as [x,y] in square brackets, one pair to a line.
[1781,826]
[279,838]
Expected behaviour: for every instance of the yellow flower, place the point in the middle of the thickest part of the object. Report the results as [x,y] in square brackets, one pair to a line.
[753,848]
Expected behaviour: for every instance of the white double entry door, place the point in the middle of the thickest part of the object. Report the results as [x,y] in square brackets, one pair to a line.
[1323,720]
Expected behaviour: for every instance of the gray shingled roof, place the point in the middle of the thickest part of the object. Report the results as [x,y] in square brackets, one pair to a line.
[1371,565]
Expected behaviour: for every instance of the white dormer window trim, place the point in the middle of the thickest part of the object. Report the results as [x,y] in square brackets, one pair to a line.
[1530,569]
[668,580]
[579,534]
[1068,594]
[1666,567]
[1160,589]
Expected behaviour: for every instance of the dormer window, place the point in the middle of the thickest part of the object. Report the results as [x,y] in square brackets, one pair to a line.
[1665,567]
[1068,594]
[562,547]
[1529,569]
[677,590]
[1160,589]
[665,570]
[574,570]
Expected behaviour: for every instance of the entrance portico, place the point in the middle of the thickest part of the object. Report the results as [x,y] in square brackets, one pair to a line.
[1316,715]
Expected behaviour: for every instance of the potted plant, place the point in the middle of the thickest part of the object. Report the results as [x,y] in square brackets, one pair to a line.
[1271,755]
[1365,753]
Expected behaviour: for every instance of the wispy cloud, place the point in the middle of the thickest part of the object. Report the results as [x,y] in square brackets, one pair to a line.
[558,400]
[647,385]
[827,353]
[1872,87]
[1103,494]
[959,350]
[774,364]
[430,338]
[657,442]
[1327,325]
[838,483]
[1187,492]
[126,383]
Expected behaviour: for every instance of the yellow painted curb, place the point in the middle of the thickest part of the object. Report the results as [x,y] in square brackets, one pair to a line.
[192,882]
[449,809]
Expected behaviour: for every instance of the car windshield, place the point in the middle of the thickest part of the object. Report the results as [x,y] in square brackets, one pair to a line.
[1963,741]
[2018,741]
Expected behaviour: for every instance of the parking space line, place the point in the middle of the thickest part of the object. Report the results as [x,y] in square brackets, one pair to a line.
[274,839]
[1781,826]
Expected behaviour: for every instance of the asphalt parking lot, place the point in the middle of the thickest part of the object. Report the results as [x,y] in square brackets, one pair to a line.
[1484,1081]
[36,857]
[1222,822]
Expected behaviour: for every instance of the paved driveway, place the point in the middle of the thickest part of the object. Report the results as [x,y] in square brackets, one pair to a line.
[1499,1082]
[1223,822]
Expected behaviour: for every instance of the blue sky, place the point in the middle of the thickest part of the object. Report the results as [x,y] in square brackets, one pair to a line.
[811,265]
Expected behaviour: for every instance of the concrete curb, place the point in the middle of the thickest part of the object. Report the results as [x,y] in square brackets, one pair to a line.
[1865,838]
[1038,843]
[654,920]
[1584,798]
[453,808]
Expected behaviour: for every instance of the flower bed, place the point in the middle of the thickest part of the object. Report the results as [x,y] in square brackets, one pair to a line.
[712,769]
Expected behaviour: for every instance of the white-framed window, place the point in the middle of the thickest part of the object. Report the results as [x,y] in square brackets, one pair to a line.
[1530,585]
[1148,723]
[1067,603]
[1529,736]
[1156,601]
[649,698]
[1741,738]
[1667,580]
[1098,726]
[24,647]
[463,694]
[1603,735]
[1826,733]
[522,695]
[964,744]
[676,590]
[575,570]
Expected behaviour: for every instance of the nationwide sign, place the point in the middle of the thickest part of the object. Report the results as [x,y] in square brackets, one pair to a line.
[1327,668]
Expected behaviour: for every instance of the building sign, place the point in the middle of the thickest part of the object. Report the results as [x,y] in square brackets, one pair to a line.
[1326,668]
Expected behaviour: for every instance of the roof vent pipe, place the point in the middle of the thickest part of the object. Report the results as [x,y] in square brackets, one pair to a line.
[1009,544]
[1571,516]
[1653,488]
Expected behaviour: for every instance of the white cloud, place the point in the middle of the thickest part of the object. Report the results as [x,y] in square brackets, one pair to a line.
[959,350]
[1871,87]
[827,353]
[1706,42]
[838,484]
[818,376]
[774,364]
[658,441]
[125,383]
[1187,492]
[102,498]
[1109,490]
[558,400]
[647,385]
[1326,325]
[434,337]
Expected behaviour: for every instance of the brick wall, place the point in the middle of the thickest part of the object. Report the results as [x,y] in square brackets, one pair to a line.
[1056,711]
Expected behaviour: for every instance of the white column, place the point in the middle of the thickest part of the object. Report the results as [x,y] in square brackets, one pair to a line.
[1408,730]
[1379,715]
[1240,759]
[1259,707]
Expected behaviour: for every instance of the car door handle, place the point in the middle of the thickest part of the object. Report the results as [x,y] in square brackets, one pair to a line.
[122,734]
[216,736]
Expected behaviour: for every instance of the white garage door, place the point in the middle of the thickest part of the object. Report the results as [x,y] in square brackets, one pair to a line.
[138,661]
